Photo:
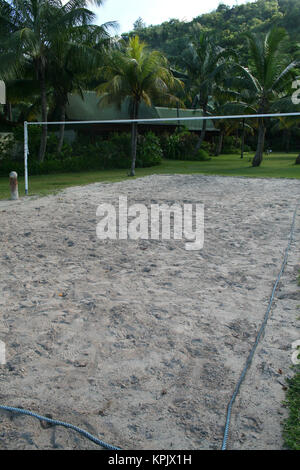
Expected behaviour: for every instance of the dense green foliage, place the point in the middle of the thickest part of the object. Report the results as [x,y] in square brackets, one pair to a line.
[82,155]
[181,145]
[226,25]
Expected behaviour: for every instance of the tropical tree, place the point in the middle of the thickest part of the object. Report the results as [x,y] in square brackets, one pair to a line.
[203,62]
[227,102]
[264,83]
[36,24]
[75,56]
[139,74]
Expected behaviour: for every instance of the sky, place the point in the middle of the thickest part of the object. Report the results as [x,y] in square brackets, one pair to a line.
[126,12]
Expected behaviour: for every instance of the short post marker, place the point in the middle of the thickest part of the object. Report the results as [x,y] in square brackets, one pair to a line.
[13,183]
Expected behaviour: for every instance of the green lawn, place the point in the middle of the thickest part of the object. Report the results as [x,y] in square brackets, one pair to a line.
[275,166]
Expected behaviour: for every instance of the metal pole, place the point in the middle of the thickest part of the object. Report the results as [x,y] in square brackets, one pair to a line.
[26,156]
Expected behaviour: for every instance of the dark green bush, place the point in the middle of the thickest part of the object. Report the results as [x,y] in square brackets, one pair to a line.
[181,146]
[247,148]
[149,151]
[34,137]
[231,145]
[109,153]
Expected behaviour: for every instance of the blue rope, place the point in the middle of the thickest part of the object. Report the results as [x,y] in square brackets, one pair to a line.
[60,423]
[252,352]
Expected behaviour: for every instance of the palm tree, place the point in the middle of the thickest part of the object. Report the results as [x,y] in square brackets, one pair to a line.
[229,102]
[140,75]
[203,62]
[285,125]
[265,81]
[36,25]
[73,53]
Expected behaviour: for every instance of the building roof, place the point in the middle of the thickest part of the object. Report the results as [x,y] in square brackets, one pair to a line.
[89,109]
[2,92]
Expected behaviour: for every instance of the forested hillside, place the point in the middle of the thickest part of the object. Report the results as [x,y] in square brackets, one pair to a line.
[226,24]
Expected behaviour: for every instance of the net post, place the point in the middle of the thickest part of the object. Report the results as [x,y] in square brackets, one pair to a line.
[26,156]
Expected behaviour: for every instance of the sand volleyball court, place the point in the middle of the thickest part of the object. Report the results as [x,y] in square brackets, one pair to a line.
[141,342]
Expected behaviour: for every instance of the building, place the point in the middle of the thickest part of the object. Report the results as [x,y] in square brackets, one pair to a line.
[89,109]
[2,92]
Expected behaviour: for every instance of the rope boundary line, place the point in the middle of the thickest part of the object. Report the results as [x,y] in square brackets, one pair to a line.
[259,334]
[55,422]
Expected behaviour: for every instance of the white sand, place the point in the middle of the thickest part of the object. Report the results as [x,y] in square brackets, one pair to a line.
[148,340]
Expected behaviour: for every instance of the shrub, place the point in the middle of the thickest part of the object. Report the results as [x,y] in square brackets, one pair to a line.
[202,155]
[247,148]
[6,140]
[181,146]
[109,153]
[149,152]
[231,145]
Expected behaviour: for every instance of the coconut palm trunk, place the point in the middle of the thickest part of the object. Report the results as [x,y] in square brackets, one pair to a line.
[61,128]
[260,144]
[219,144]
[8,111]
[288,140]
[134,136]
[203,132]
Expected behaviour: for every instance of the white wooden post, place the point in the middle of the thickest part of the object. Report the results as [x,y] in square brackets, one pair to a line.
[13,182]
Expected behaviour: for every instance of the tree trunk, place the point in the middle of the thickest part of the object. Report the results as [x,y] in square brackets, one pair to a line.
[219,144]
[61,128]
[260,144]
[288,140]
[243,140]
[8,111]
[203,132]
[43,143]
[134,135]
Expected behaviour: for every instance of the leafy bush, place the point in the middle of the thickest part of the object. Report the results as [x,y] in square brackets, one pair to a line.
[34,138]
[115,152]
[202,155]
[247,148]
[181,146]
[149,151]
[109,153]
[231,145]
[6,140]
[208,147]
